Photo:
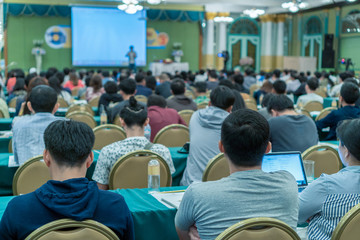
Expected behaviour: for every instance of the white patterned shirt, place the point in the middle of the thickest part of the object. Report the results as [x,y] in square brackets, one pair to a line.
[111,153]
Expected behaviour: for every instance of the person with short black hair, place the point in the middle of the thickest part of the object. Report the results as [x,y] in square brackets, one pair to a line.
[151,82]
[335,91]
[264,103]
[28,130]
[279,87]
[56,85]
[326,200]
[249,79]
[349,94]
[311,85]
[293,83]
[109,96]
[179,101]
[69,194]
[238,81]
[276,75]
[205,125]
[141,88]
[289,131]
[201,93]
[164,88]
[213,80]
[134,119]
[208,208]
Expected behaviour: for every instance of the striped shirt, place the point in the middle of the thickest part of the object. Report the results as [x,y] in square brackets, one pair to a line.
[326,201]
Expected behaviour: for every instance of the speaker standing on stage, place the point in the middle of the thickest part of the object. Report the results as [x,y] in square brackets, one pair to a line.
[132,55]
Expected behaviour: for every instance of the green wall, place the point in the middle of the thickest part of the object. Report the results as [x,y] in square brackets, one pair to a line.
[22,30]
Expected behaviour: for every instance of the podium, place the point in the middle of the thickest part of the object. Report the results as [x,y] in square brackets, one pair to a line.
[157,68]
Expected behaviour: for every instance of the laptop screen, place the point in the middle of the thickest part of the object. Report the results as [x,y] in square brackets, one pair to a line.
[288,161]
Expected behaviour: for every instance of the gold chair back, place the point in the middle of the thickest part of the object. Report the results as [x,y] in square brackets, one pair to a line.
[12,103]
[321,92]
[80,108]
[65,229]
[30,176]
[216,168]
[306,113]
[313,106]
[326,159]
[186,115]
[94,102]
[107,134]
[259,229]
[62,103]
[190,94]
[245,96]
[253,88]
[84,117]
[10,150]
[324,113]
[1,114]
[202,105]
[141,98]
[117,121]
[348,227]
[174,135]
[75,91]
[251,104]
[131,170]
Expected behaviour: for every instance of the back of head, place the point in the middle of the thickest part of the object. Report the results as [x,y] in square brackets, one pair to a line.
[248,71]
[96,82]
[317,75]
[74,78]
[277,73]
[105,74]
[227,83]
[60,76]
[133,113]
[279,87]
[245,135]
[238,78]
[294,75]
[239,102]
[128,86]
[164,77]
[343,76]
[200,87]
[222,97]
[156,100]
[213,74]
[139,78]
[349,92]
[66,71]
[69,142]
[36,82]
[43,98]
[55,84]
[313,83]
[350,138]
[266,99]
[51,72]
[177,86]
[110,87]
[151,82]
[280,103]
[19,85]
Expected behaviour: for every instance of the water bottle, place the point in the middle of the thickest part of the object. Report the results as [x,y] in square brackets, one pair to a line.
[153,175]
[103,116]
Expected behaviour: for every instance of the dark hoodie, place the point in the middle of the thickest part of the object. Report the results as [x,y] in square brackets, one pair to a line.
[77,198]
[181,102]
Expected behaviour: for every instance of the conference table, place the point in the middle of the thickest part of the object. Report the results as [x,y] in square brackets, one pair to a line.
[7,173]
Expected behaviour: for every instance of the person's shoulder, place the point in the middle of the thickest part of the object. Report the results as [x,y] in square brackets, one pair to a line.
[159,147]
[20,202]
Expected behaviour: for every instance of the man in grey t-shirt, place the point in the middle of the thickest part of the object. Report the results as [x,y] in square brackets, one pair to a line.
[208,208]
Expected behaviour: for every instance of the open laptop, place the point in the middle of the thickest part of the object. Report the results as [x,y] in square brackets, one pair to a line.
[288,161]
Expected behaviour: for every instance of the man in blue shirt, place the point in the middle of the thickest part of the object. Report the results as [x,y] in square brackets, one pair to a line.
[349,94]
[28,130]
[141,88]
[69,194]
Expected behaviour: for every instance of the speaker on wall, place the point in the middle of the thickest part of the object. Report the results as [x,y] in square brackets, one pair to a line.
[327,60]
[328,41]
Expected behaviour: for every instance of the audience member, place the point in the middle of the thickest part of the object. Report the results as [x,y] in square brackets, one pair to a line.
[160,116]
[239,101]
[208,208]
[133,118]
[249,79]
[326,200]
[74,82]
[95,89]
[289,131]
[349,94]
[151,82]
[164,88]
[335,91]
[69,194]
[276,76]
[105,77]
[18,90]
[179,101]
[293,83]
[279,87]
[141,88]
[238,81]
[311,85]
[201,76]
[200,93]
[213,81]
[205,126]
[55,84]
[264,103]
[28,130]
[110,95]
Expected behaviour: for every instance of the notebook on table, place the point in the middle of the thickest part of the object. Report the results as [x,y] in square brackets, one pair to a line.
[288,161]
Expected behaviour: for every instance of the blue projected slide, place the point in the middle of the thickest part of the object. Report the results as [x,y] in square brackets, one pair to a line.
[102,36]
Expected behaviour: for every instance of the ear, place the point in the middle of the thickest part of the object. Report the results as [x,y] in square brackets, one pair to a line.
[122,122]
[221,147]
[146,122]
[46,157]
[135,92]
[209,104]
[274,113]
[268,148]
[56,107]
[28,104]
[90,159]
[229,109]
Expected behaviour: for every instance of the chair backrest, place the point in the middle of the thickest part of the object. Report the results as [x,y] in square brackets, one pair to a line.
[174,135]
[131,170]
[326,159]
[94,102]
[321,92]
[305,112]
[202,105]
[141,98]
[30,176]
[259,229]
[186,115]
[216,168]
[75,91]
[348,227]
[10,150]
[251,104]
[80,108]
[245,96]
[117,121]
[12,103]
[325,112]
[189,94]
[313,106]
[253,88]
[107,134]
[84,117]
[62,103]
[64,229]
[1,114]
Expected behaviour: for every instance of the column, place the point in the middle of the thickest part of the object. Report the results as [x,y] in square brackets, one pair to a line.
[221,45]
[280,42]
[267,54]
[209,57]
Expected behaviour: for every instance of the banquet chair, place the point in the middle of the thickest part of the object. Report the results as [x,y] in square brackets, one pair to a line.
[253,88]
[94,102]
[75,91]
[12,103]
[131,170]
[82,108]
[348,227]
[313,106]
[62,103]
[2,114]
[84,117]
[259,229]
[186,115]
[326,159]
[30,176]
[306,113]
[321,92]
[325,112]
[117,121]
[141,98]
[64,229]
[10,150]
[216,168]
[190,94]
[250,104]
[202,105]
[174,135]
[107,134]
[245,96]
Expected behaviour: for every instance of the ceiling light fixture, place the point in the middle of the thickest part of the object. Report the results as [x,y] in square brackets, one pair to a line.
[223,19]
[132,6]
[254,13]
[294,6]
